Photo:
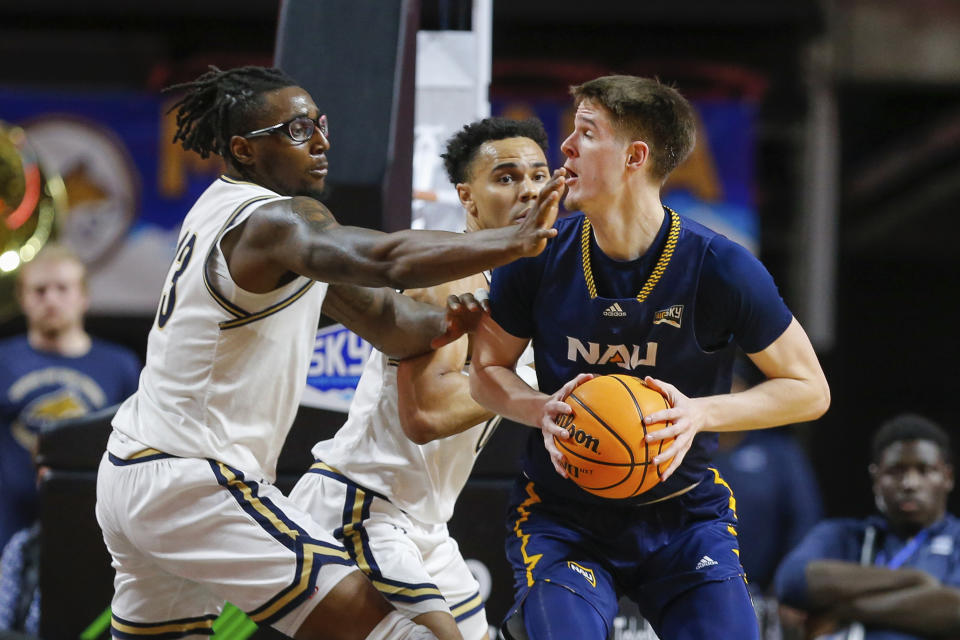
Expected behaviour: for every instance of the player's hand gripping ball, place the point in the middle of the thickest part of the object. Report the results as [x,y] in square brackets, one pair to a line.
[607,453]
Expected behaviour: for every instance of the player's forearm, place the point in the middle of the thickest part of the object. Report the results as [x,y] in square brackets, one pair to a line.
[409,326]
[408,259]
[795,388]
[831,582]
[771,403]
[503,392]
[927,610]
[440,408]
[394,324]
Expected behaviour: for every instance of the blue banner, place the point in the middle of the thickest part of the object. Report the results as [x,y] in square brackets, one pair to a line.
[338,359]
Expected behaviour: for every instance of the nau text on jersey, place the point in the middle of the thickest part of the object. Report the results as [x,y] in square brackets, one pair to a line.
[627,356]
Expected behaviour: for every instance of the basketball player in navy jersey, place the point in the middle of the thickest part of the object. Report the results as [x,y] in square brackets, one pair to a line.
[629,286]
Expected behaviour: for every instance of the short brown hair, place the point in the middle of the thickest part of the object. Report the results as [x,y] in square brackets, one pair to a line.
[646,109]
[53,252]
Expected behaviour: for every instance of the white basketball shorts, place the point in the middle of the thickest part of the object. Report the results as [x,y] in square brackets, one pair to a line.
[417,566]
[186,534]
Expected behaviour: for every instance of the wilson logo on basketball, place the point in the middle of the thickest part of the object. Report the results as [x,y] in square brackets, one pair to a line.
[577,434]
[583,438]
[625,356]
[671,316]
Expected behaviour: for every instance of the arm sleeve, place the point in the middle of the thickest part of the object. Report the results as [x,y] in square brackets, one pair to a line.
[738,300]
[825,541]
[513,289]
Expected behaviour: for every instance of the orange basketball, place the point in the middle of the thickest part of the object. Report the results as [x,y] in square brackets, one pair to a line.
[607,453]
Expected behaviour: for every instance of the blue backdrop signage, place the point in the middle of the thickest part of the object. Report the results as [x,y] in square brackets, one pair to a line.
[338,359]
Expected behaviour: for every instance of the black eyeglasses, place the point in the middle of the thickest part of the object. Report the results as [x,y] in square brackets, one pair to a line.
[299,129]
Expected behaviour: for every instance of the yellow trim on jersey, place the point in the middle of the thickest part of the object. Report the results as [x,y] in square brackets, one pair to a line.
[393,589]
[351,532]
[323,466]
[472,603]
[255,502]
[658,270]
[717,479]
[144,454]
[530,562]
[162,628]
[269,311]
[310,551]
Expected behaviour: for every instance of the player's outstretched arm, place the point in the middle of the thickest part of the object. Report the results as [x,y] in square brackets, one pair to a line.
[396,324]
[795,390]
[300,235]
[433,392]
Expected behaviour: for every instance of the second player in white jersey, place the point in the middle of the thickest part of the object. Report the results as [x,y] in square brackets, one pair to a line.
[386,484]
[372,449]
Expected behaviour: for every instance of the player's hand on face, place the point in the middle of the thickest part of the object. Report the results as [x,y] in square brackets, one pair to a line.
[686,419]
[550,413]
[464,314]
[537,226]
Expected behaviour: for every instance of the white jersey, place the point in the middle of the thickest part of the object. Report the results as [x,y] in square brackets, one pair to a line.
[372,450]
[225,367]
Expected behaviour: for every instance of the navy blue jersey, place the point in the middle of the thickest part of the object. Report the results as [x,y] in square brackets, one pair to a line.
[37,388]
[587,313]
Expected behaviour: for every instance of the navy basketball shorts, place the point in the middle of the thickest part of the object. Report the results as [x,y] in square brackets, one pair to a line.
[650,553]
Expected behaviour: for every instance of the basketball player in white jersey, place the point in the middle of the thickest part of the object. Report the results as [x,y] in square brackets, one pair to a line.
[184,493]
[386,483]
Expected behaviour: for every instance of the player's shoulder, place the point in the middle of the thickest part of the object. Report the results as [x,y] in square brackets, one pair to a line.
[726,260]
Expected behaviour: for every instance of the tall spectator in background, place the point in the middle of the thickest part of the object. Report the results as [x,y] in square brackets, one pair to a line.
[54,371]
[889,577]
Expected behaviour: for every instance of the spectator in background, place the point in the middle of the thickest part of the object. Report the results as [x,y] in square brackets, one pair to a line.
[893,576]
[55,371]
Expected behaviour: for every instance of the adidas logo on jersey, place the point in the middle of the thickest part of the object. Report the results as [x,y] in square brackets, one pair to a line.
[614,311]
[706,561]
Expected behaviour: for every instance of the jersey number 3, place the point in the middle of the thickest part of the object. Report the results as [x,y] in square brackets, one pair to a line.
[169,298]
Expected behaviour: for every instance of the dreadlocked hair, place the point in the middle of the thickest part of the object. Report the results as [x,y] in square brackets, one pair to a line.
[219,104]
